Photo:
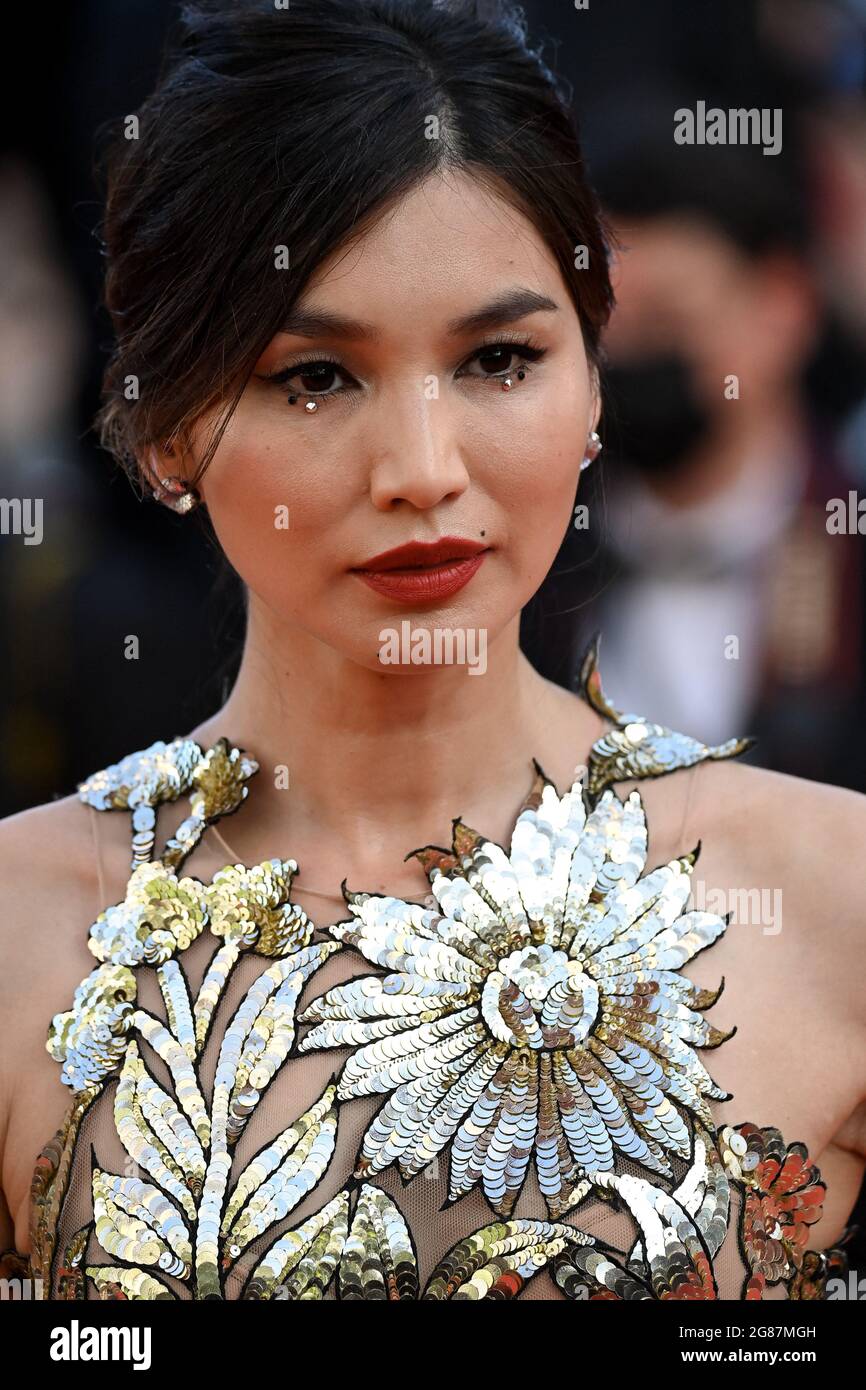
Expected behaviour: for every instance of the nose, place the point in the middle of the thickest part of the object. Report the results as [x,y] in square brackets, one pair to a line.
[415,454]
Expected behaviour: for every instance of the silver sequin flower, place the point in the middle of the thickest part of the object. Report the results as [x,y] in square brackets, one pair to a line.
[538,1012]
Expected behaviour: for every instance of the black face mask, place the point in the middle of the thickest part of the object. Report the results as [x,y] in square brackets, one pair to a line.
[653,415]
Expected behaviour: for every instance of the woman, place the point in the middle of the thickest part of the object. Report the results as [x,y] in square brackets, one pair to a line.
[359,281]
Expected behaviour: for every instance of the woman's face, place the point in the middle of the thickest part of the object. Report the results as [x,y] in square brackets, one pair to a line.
[413,438]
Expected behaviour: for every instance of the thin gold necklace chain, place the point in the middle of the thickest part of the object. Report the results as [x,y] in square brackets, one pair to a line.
[302,887]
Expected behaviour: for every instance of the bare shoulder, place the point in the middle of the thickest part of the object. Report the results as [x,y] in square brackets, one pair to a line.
[791,823]
[43,850]
[805,841]
[787,824]
[49,885]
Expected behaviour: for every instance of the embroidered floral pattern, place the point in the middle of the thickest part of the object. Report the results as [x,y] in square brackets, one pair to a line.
[536,1015]
[783,1198]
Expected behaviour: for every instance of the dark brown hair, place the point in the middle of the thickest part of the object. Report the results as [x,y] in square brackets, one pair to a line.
[297,127]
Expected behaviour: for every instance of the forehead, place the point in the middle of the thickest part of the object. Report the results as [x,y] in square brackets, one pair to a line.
[449,241]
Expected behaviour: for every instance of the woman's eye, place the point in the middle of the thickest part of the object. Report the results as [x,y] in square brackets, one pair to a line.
[501,358]
[327,378]
[310,378]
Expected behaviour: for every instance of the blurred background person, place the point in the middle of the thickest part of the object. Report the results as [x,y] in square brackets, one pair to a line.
[730,602]
[735,399]
[91,663]
[42,343]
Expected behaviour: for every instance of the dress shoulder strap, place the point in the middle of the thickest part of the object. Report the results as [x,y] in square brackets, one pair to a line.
[214,781]
[634,747]
[99,867]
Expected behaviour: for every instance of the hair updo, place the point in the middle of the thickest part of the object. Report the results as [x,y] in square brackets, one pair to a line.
[296,126]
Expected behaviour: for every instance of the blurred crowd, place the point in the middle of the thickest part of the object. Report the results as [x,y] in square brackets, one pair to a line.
[735,401]
[721,550]
[109,567]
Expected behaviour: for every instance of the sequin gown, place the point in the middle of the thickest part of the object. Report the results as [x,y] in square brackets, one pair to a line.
[495,1093]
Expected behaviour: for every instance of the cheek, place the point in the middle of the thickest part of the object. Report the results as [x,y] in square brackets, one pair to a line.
[276,496]
[268,504]
[535,457]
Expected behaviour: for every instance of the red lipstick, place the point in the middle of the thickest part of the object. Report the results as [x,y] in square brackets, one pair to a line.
[423,570]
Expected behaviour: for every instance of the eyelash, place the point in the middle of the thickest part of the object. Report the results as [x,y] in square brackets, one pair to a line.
[526,349]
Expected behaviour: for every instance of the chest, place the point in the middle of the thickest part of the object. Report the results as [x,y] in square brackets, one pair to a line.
[787,1064]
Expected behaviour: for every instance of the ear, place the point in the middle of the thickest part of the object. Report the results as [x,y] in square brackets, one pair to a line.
[155,463]
[159,463]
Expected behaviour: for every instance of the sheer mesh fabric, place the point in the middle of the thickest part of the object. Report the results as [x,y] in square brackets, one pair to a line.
[297,1085]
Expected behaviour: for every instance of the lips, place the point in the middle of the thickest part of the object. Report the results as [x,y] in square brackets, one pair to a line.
[420,570]
[418,554]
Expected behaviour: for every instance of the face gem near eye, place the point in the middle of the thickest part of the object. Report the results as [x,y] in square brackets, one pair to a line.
[492,354]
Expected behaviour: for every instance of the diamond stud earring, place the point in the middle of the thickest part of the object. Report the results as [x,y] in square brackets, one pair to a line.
[175,494]
[593,449]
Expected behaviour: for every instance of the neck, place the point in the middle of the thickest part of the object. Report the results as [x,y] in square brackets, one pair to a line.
[379,764]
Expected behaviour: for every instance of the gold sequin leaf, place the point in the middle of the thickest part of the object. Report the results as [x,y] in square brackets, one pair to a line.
[219,780]
[180,1222]
[114,1281]
[253,1049]
[156,1134]
[498,1260]
[161,914]
[250,907]
[138,1224]
[373,1256]
[279,1177]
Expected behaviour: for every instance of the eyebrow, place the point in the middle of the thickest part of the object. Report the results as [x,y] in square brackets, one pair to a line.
[505,308]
